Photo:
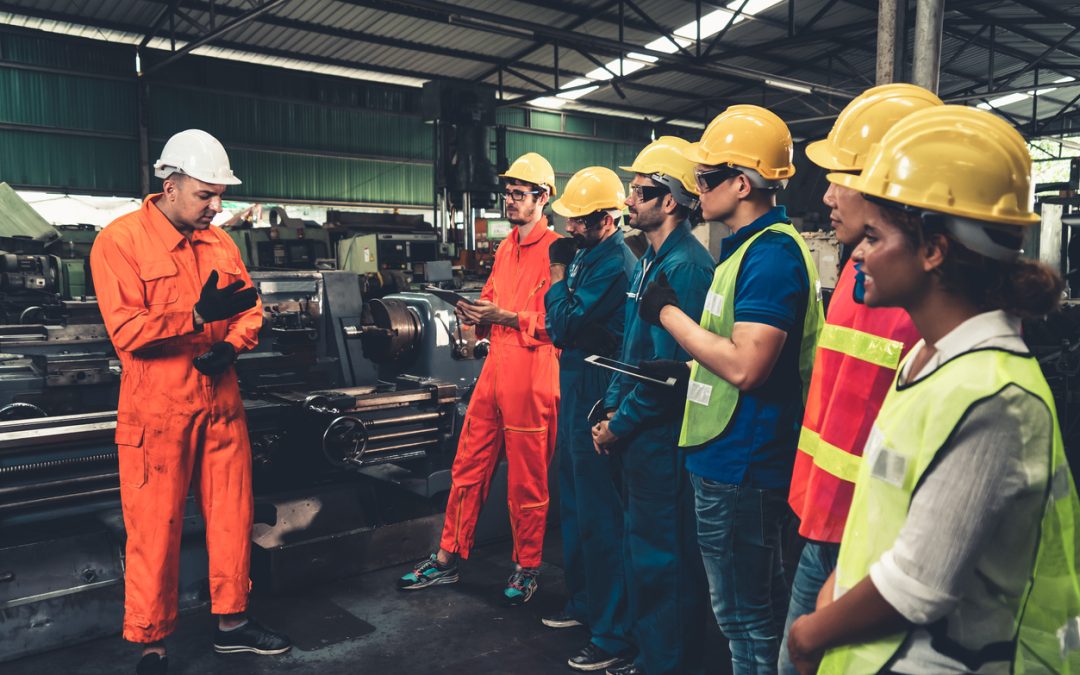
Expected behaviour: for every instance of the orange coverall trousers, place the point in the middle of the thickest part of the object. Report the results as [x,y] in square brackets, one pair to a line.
[514,407]
[175,426]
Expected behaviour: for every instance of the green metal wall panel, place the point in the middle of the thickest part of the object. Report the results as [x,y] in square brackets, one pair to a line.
[67,101]
[69,163]
[511,117]
[545,121]
[282,124]
[567,155]
[281,83]
[268,175]
[50,51]
[584,126]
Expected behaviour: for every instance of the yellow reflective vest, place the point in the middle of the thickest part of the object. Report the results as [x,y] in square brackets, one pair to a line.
[710,399]
[916,420]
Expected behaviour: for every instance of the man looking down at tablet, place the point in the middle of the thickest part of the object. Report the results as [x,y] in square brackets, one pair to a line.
[515,401]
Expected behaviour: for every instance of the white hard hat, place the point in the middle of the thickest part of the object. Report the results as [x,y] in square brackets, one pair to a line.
[197,154]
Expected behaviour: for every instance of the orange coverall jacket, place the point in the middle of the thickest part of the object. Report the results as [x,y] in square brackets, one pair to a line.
[175,426]
[514,405]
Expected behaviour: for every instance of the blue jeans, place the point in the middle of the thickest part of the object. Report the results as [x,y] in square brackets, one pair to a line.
[739,532]
[816,563]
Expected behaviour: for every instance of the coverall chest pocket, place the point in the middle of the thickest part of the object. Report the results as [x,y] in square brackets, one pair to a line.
[131,454]
[228,269]
[159,282]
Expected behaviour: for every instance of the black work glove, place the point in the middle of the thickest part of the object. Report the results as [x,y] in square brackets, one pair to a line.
[217,304]
[662,369]
[596,339]
[562,251]
[217,360]
[658,294]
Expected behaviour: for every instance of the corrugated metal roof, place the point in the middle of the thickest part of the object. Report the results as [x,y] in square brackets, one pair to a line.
[408,41]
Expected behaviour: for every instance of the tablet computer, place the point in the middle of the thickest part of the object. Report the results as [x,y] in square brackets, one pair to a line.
[628,369]
[450,297]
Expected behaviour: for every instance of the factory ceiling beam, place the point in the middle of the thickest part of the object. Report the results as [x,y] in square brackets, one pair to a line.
[518,69]
[723,31]
[159,21]
[1031,35]
[217,33]
[489,22]
[537,44]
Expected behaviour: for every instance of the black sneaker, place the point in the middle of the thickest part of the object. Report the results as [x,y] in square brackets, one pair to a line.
[625,669]
[560,620]
[429,572]
[251,638]
[593,658]
[152,664]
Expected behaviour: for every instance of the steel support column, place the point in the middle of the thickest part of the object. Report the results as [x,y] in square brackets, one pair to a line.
[929,24]
[890,17]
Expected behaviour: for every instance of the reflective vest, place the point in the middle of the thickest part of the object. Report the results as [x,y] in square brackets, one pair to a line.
[915,421]
[710,399]
[857,355]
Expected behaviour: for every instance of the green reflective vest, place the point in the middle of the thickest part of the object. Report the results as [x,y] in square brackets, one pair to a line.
[915,421]
[710,399]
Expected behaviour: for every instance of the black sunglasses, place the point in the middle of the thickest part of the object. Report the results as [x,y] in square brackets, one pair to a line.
[647,193]
[712,178]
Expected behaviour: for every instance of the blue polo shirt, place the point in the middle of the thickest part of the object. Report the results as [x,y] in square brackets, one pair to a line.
[758,447]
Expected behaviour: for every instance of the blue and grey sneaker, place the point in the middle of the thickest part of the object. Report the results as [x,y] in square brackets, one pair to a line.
[521,585]
[429,572]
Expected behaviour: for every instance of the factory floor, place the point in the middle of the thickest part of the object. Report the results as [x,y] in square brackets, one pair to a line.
[364,625]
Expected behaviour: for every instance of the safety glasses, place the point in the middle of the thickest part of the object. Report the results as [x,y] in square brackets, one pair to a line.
[589,222]
[710,179]
[519,195]
[646,193]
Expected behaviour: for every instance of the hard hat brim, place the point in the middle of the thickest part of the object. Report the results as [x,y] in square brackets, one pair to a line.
[856,182]
[510,176]
[696,154]
[558,207]
[823,153]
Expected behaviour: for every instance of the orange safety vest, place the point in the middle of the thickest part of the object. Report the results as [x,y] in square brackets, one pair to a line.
[857,356]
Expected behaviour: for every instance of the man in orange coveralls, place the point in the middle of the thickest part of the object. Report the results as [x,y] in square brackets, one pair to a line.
[180,419]
[515,402]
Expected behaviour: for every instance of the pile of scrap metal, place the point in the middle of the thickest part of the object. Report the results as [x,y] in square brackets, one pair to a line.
[353,409]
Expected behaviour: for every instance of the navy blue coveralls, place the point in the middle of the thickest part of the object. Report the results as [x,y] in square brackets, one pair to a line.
[593,294]
[665,576]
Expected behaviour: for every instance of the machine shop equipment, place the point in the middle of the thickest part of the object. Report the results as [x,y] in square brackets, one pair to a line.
[353,412]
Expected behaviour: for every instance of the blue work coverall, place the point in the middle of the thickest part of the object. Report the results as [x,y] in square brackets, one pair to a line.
[592,295]
[665,577]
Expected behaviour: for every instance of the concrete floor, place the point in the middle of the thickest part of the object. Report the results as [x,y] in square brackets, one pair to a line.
[363,624]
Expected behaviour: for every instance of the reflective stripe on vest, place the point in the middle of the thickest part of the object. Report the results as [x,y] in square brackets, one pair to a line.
[880,351]
[828,457]
[710,399]
[915,422]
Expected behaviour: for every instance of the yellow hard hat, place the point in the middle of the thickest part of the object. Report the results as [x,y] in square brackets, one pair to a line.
[532,168]
[666,156]
[592,189]
[749,137]
[864,121]
[954,160]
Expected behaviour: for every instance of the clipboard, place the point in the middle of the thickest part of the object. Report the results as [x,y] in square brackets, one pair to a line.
[450,297]
[627,369]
